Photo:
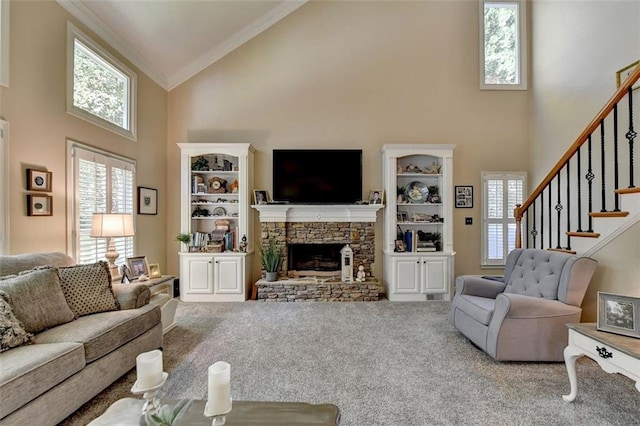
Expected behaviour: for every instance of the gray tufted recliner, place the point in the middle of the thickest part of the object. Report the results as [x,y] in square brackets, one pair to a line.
[522,316]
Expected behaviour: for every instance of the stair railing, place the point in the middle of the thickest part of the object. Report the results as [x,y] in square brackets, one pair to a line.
[537,211]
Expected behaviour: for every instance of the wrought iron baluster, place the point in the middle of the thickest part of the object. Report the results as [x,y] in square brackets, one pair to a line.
[533,228]
[603,179]
[558,212]
[616,198]
[526,223]
[542,219]
[578,155]
[631,135]
[549,214]
[568,205]
[590,176]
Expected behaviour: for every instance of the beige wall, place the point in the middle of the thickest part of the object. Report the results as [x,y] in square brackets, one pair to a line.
[34,106]
[577,48]
[357,75]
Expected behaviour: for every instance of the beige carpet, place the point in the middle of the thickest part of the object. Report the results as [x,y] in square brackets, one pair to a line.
[382,363]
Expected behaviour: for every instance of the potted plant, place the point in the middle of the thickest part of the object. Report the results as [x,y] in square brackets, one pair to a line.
[271,257]
[185,239]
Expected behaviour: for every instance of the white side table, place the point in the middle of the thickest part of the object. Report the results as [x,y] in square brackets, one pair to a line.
[162,295]
[614,353]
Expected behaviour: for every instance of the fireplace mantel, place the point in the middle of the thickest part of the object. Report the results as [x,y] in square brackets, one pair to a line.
[317,213]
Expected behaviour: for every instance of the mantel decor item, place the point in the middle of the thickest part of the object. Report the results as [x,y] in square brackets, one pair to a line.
[39,205]
[147,200]
[346,257]
[260,196]
[39,180]
[376,196]
[464,196]
[619,314]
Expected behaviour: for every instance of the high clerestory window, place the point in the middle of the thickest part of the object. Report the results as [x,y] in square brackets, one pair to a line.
[100,89]
[503,48]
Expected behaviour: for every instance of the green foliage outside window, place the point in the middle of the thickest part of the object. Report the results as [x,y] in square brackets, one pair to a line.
[500,44]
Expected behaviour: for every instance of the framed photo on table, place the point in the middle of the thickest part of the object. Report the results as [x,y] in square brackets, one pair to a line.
[154,270]
[39,180]
[147,200]
[464,196]
[619,314]
[137,266]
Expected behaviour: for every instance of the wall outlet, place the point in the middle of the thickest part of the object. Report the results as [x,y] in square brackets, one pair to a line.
[468,221]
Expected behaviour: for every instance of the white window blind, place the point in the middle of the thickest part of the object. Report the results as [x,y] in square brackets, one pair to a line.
[501,193]
[102,183]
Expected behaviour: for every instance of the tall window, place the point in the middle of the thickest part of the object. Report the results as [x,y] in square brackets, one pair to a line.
[500,193]
[502,45]
[102,183]
[100,88]
[4,187]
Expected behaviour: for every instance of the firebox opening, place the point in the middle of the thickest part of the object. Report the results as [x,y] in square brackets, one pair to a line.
[314,257]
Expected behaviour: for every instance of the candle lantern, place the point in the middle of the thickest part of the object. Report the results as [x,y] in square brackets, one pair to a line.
[347,263]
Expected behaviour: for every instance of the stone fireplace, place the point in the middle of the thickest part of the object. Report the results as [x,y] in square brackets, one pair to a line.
[311,238]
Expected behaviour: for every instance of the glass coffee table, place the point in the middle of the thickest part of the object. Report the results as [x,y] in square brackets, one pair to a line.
[127,412]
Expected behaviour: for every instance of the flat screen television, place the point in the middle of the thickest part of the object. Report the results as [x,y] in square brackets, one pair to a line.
[317,176]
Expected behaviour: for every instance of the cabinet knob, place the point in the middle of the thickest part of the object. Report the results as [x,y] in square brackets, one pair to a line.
[417,262]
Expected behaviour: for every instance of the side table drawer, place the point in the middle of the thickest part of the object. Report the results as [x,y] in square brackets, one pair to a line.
[606,354]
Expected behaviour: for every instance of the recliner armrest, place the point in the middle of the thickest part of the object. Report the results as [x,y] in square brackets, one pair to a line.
[132,296]
[477,286]
[510,305]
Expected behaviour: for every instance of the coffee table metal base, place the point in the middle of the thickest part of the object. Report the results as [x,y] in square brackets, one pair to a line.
[127,412]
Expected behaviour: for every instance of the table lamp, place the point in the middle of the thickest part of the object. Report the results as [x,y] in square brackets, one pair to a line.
[112,225]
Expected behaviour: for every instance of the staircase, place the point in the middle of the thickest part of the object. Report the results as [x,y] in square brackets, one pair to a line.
[590,196]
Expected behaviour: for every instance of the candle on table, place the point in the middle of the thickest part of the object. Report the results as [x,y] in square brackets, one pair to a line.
[219,388]
[149,369]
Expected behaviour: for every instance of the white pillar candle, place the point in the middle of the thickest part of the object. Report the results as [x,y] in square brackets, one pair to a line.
[149,369]
[219,397]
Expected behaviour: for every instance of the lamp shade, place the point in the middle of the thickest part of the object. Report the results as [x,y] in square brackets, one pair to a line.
[112,225]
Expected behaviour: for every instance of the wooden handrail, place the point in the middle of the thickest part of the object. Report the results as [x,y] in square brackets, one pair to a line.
[617,96]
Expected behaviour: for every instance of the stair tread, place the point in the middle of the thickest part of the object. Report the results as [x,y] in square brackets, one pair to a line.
[609,214]
[583,234]
[628,190]
[562,250]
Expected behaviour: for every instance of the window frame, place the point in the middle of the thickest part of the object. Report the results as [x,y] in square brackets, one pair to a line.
[4,188]
[522,46]
[73,218]
[73,34]
[4,42]
[507,219]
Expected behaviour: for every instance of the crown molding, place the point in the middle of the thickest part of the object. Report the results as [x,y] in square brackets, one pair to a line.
[95,24]
[236,40]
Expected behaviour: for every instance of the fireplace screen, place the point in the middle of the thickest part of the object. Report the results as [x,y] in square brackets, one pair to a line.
[314,257]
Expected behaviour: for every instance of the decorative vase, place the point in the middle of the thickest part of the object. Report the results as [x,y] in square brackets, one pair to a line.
[271,276]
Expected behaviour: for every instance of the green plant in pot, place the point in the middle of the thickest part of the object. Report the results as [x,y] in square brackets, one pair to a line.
[184,238]
[271,258]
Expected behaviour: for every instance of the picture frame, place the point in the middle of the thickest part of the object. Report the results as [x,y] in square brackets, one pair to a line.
[39,180]
[623,73]
[147,200]
[137,266]
[154,270]
[402,216]
[260,196]
[376,196]
[39,205]
[619,314]
[464,196]
[401,247]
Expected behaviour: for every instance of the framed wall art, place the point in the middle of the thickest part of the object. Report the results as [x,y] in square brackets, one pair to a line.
[39,205]
[147,200]
[619,314]
[39,180]
[137,266]
[464,196]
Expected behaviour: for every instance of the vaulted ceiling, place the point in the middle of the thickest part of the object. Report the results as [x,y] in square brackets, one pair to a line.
[172,40]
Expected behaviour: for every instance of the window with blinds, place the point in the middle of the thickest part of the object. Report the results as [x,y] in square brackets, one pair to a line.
[102,183]
[501,192]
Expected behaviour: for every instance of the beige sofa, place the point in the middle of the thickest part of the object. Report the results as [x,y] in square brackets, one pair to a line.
[45,382]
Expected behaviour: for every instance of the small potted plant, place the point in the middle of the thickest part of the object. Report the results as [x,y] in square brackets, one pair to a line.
[271,257]
[184,239]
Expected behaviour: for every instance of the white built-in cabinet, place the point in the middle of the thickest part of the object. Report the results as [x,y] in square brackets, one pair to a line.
[216,187]
[418,228]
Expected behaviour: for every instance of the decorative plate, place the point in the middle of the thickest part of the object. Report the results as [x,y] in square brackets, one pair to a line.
[219,211]
[416,192]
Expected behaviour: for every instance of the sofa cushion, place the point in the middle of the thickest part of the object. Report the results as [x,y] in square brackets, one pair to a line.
[104,332]
[37,299]
[12,332]
[16,263]
[478,308]
[87,288]
[29,371]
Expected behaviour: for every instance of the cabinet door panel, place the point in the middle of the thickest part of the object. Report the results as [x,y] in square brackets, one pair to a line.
[435,275]
[199,276]
[228,275]
[407,275]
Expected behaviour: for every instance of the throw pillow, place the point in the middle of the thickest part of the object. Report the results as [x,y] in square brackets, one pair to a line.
[12,333]
[87,288]
[37,299]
